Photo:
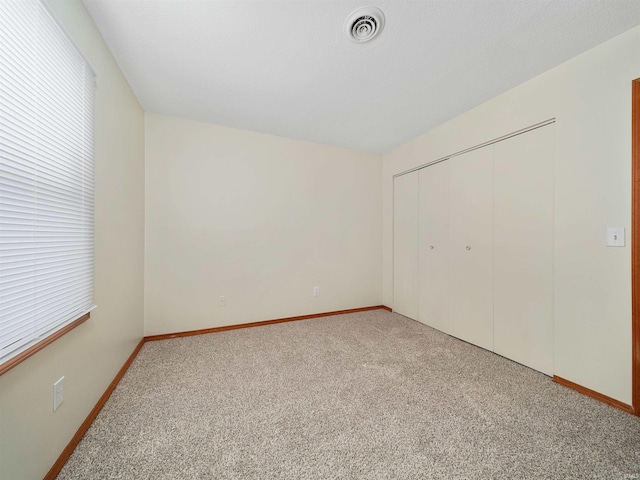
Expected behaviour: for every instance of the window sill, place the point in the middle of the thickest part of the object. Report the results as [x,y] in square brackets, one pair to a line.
[18,359]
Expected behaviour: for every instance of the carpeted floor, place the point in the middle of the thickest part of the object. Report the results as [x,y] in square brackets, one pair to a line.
[370,395]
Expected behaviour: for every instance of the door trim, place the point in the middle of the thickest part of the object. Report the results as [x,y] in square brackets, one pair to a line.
[635,244]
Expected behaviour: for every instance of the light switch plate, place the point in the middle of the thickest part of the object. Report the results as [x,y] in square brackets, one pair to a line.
[615,237]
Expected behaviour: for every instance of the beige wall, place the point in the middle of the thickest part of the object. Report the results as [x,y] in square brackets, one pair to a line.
[590,96]
[31,435]
[262,219]
[258,219]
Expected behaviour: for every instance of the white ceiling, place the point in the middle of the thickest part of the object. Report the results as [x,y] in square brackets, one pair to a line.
[287,68]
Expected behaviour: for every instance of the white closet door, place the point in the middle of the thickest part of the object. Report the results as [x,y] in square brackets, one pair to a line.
[523,248]
[433,256]
[405,245]
[471,247]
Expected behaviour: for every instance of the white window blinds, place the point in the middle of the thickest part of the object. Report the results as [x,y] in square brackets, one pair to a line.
[46,178]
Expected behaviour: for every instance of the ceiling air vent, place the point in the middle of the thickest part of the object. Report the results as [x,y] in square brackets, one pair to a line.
[364,24]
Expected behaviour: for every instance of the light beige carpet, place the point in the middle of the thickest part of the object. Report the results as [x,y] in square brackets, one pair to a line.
[362,396]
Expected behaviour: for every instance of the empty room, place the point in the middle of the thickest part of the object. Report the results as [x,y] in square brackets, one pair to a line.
[319,239]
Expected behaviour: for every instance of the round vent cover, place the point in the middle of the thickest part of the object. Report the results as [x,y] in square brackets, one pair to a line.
[364,24]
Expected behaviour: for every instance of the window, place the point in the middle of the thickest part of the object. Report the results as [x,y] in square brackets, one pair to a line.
[46,180]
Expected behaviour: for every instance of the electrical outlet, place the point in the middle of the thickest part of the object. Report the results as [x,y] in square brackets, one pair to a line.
[58,393]
[222,301]
[316,291]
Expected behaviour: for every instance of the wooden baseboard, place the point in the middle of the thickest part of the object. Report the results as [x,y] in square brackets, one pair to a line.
[66,453]
[153,338]
[593,394]
[384,307]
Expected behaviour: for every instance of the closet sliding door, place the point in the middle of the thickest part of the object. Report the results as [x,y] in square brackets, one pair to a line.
[405,245]
[523,248]
[433,257]
[471,247]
